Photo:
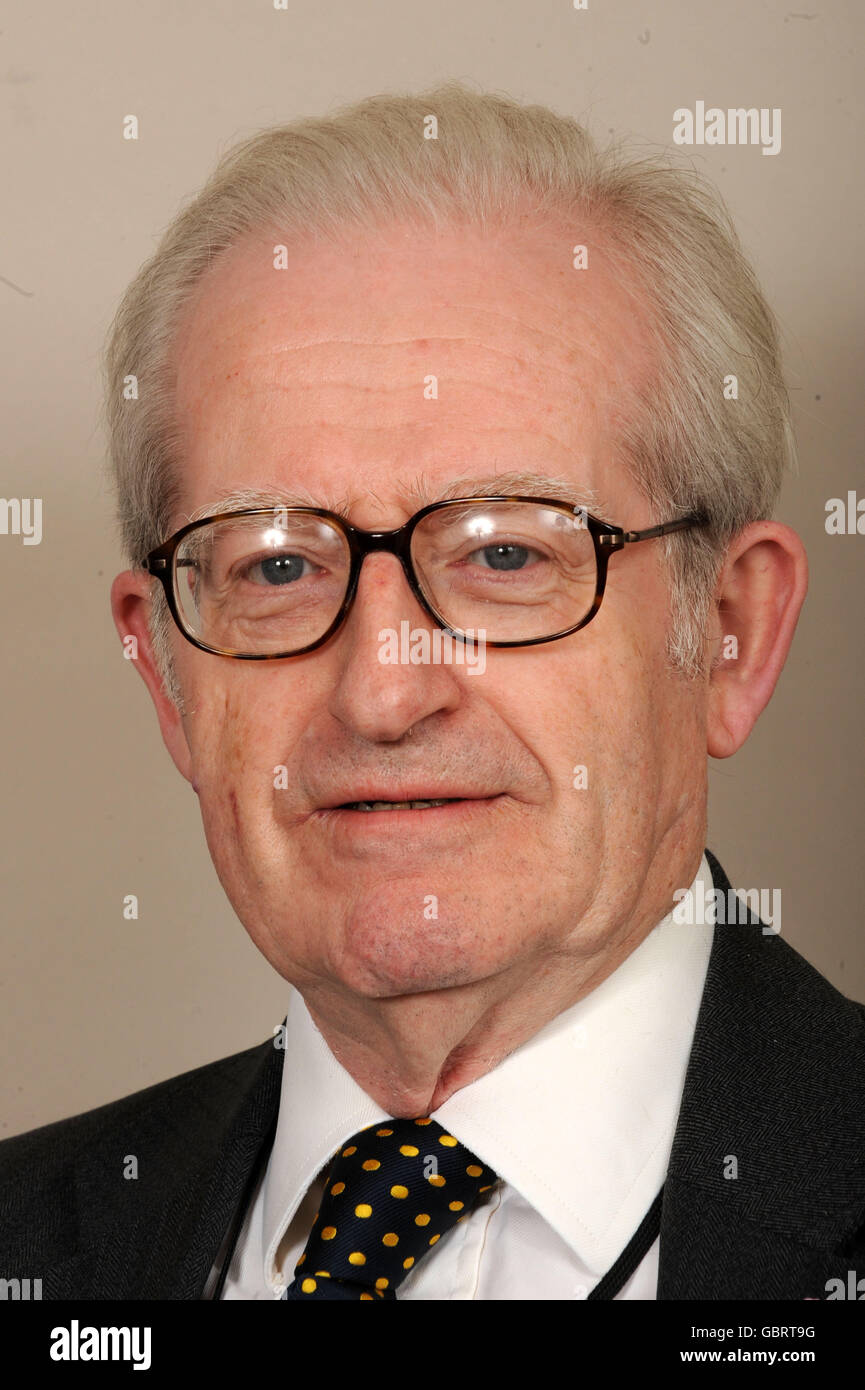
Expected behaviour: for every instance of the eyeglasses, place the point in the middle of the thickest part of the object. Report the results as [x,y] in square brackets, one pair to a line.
[275,582]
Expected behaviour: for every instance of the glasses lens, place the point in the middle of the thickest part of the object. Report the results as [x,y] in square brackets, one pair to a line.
[518,570]
[260,585]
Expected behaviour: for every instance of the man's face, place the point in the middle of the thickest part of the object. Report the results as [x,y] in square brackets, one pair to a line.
[311,379]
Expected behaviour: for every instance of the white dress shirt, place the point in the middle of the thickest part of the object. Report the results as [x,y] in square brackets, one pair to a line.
[578,1123]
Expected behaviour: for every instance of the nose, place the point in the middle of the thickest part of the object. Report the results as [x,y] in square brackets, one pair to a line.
[374,696]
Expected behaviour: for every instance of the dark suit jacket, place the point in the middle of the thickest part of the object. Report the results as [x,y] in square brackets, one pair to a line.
[776,1078]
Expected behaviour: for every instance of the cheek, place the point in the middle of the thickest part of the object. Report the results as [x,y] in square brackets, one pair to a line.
[598,728]
[232,762]
[567,717]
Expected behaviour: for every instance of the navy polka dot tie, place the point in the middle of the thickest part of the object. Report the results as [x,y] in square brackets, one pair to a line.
[390,1195]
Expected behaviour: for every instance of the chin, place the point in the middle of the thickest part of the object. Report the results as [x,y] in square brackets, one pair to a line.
[387,956]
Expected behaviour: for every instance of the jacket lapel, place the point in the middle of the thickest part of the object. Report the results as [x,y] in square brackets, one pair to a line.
[191,1235]
[765,1190]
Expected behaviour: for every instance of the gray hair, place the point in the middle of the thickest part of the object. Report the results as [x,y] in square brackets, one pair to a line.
[687,447]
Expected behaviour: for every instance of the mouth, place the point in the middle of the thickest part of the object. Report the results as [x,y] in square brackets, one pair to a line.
[397,805]
[375,825]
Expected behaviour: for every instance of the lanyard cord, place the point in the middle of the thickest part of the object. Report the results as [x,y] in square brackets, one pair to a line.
[242,1208]
[643,1238]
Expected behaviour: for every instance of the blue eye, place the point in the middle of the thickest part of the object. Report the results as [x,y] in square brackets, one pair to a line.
[279,569]
[504,557]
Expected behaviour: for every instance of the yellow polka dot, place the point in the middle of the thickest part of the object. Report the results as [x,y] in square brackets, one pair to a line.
[437,1180]
[485,1189]
[328,1232]
[422,1219]
[408,1149]
[363,1209]
[302,1258]
[448,1141]
[423,1122]
[390,1239]
[309,1286]
[337,1188]
[399,1191]
[382,1283]
[356,1258]
[322,1274]
[384,1132]
[367,1295]
[433,1239]
[474,1171]
[352,1149]
[407,1264]
[370,1164]
[455,1206]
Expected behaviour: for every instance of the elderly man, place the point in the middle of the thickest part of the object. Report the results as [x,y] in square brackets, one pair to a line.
[436,366]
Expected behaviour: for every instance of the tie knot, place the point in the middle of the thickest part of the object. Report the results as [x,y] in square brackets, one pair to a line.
[392,1191]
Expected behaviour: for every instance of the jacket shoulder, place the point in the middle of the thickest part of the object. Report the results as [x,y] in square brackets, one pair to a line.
[72,1179]
[206,1086]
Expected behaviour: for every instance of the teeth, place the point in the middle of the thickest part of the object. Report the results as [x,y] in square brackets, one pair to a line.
[397,805]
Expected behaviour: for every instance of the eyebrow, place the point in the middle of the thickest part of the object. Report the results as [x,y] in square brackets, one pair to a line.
[416,495]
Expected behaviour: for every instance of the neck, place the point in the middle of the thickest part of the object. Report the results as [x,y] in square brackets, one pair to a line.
[412,1052]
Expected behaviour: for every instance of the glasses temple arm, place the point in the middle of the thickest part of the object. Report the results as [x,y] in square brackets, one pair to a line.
[663,529]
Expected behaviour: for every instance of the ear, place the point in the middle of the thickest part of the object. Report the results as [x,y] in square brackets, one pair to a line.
[130,606]
[759,595]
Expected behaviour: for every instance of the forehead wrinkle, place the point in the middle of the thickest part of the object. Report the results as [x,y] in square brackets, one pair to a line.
[537,330]
[558,321]
[325,453]
[571,344]
[463,381]
[518,352]
[518,358]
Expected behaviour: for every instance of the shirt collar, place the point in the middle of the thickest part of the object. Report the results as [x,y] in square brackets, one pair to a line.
[580,1119]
